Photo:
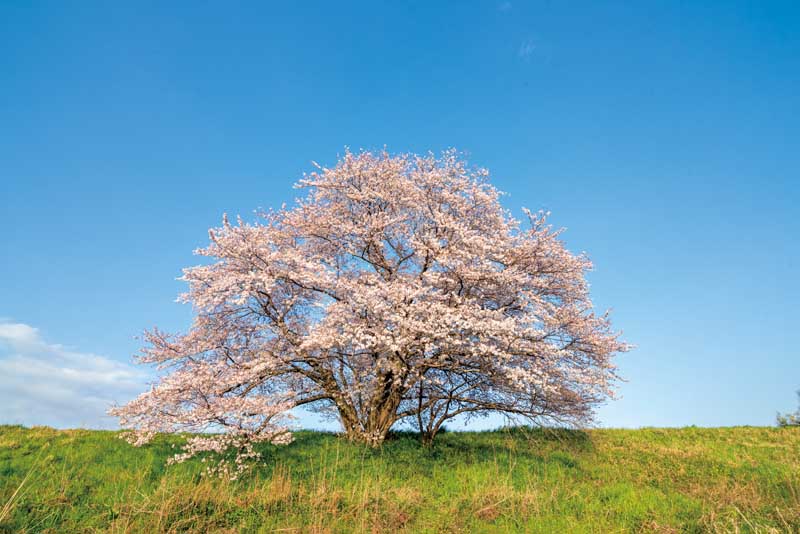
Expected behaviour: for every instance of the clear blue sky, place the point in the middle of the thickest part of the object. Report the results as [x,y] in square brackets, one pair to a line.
[664,135]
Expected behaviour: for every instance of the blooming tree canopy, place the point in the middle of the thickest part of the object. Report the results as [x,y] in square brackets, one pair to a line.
[397,289]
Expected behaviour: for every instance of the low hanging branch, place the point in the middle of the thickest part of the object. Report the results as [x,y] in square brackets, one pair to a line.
[398,288]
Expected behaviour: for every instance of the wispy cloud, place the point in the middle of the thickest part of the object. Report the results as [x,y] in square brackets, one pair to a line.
[526,49]
[505,7]
[47,384]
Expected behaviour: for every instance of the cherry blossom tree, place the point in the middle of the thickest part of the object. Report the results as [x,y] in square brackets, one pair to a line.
[397,289]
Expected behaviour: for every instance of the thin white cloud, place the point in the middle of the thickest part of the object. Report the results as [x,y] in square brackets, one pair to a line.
[47,384]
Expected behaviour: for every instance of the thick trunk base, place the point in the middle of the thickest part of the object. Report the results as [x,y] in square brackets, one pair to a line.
[372,439]
[373,430]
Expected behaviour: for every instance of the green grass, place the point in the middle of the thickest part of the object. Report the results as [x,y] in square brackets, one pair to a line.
[651,480]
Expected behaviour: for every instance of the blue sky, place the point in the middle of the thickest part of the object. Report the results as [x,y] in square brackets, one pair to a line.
[664,136]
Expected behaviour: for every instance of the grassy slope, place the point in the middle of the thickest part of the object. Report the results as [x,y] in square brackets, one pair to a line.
[651,480]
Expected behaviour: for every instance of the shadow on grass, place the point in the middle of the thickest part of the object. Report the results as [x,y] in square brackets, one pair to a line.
[404,446]
[313,451]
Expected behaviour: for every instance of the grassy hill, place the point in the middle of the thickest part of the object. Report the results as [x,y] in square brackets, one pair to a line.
[652,480]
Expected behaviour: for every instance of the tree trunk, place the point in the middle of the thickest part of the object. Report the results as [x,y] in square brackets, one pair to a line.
[374,429]
[373,436]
